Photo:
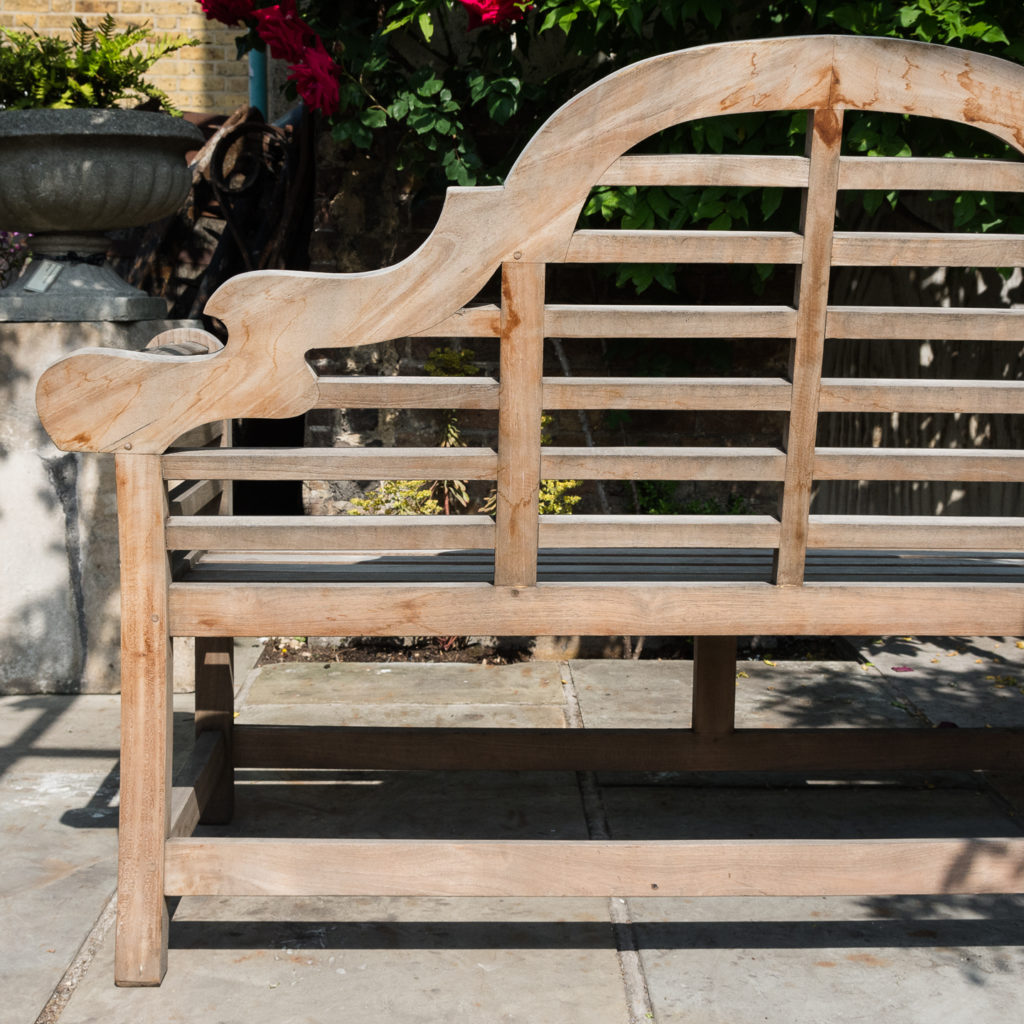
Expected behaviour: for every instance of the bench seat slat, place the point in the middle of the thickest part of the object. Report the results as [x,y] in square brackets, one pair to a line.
[565,609]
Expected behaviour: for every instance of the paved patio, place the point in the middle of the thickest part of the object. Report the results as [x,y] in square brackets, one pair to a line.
[711,961]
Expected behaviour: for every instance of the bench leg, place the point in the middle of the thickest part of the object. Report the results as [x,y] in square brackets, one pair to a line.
[215,710]
[142,917]
[140,949]
[714,685]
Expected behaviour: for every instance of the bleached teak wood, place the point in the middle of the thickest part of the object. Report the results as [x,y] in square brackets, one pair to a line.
[519,424]
[824,138]
[380,867]
[140,956]
[327,533]
[331,464]
[965,533]
[601,609]
[871,173]
[710,577]
[594,246]
[916,323]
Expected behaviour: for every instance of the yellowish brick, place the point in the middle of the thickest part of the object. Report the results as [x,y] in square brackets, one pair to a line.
[32,6]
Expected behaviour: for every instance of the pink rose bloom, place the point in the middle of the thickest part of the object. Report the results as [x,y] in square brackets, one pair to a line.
[284,32]
[230,12]
[316,79]
[491,12]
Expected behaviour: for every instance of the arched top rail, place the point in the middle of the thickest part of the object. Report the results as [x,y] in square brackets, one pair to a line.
[104,400]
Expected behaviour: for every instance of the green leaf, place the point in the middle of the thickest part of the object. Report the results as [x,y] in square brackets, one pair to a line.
[374,117]
[426,25]
[771,198]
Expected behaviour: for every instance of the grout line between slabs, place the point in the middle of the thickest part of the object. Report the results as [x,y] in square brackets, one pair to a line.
[79,966]
[638,997]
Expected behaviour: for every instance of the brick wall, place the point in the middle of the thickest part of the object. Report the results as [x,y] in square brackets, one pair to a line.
[205,78]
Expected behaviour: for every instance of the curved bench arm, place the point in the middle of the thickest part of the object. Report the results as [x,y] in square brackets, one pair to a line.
[103,400]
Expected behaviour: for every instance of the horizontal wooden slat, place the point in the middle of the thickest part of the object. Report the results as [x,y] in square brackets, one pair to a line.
[837,395]
[189,499]
[656,463]
[469,322]
[568,609]
[602,246]
[201,436]
[563,321]
[444,868]
[887,395]
[196,782]
[946,533]
[918,464]
[930,173]
[909,323]
[709,169]
[761,394]
[658,531]
[898,249]
[407,393]
[406,748]
[331,464]
[870,173]
[328,533]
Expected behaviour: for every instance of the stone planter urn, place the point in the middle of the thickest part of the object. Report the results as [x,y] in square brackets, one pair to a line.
[68,176]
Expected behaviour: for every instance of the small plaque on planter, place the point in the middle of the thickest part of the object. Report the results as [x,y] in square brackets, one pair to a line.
[46,272]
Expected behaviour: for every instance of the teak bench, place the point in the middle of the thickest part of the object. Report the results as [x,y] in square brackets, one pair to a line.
[192,568]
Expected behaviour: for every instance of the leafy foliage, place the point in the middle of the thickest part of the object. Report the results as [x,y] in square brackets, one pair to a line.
[397,498]
[98,67]
[449,98]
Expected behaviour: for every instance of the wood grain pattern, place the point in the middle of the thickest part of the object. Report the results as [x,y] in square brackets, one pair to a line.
[709,577]
[105,400]
[596,246]
[824,139]
[331,464]
[937,533]
[328,533]
[601,609]
[140,956]
[690,868]
[519,424]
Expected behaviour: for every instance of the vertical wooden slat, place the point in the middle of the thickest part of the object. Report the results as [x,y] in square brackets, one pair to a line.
[825,131]
[215,712]
[146,688]
[714,685]
[519,414]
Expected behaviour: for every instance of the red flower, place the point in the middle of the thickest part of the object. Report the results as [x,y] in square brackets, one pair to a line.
[231,12]
[316,79]
[491,12]
[284,32]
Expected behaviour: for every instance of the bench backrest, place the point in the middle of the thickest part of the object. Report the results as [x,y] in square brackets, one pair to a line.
[140,402]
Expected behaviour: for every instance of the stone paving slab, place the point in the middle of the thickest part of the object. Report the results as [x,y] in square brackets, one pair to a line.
[418,960]
[968,681]
[397,683]
[58,818]
[769,694]
[399,961]
[909,960]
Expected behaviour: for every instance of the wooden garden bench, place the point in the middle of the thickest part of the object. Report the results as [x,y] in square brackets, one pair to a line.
[192,568]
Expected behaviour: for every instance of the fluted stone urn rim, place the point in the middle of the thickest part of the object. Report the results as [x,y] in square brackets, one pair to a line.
[44,121]
[90,169]
[69,176]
